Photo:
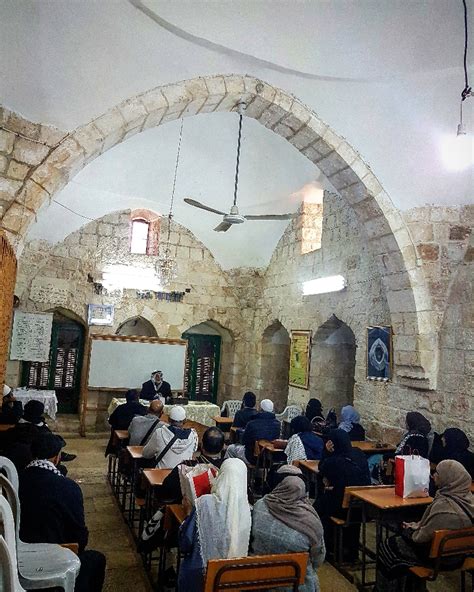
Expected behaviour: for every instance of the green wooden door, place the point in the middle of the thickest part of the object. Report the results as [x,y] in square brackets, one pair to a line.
[62,372]
[202,366]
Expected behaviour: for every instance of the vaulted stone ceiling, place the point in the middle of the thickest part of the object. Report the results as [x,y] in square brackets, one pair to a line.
[385,75]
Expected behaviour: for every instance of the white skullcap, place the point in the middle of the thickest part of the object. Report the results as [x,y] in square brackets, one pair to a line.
[6,390]
[266,405]
[177,413]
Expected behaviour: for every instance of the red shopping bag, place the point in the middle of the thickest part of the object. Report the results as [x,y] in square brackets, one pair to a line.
[412,476]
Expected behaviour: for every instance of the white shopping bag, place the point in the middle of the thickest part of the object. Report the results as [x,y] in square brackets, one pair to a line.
[412,476]
[196,481]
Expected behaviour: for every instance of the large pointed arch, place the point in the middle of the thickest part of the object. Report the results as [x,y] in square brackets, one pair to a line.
[54,164]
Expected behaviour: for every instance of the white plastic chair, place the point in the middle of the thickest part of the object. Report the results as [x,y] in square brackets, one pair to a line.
[40,565]
[232,406]
[11,473]
[289,413]
[9,581]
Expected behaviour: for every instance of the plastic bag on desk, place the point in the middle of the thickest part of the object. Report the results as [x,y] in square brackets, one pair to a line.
[196,481]
[412,476]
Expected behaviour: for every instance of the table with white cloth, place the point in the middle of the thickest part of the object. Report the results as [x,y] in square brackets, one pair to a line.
[198,411]
[48,398]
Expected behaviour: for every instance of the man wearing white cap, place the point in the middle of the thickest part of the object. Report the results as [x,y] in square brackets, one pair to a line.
[12,410]
[264,426]
[172,444]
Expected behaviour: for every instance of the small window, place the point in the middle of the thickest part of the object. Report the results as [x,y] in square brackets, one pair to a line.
[139,242]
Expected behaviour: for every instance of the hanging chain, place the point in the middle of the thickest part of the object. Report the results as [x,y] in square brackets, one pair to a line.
[236,182]
[170,215]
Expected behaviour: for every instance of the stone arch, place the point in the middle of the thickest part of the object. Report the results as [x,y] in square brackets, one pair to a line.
[137,326]
[61,312]
[53,161]
[275,363]
[333,361]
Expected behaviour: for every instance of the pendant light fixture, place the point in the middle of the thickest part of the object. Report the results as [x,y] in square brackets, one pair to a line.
[166,266]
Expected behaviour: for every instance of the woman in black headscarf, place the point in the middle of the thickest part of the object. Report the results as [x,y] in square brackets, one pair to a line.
[303,444]
[454,444]
[416,437]
[342,467]
[314,409]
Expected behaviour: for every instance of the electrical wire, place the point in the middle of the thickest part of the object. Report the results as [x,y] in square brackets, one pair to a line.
[72,211]
[236,182]
[467,89]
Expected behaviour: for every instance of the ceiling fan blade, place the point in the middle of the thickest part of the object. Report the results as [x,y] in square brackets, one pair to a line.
[198,204]
[272,217]
[223,227]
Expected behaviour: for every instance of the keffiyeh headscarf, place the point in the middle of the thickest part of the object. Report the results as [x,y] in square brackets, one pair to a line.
[223,516]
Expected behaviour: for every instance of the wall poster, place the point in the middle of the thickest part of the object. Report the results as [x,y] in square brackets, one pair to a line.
[31,336]
[100,314]
[379,353]
[300,354]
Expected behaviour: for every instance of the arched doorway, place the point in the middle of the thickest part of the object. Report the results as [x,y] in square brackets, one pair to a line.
[203,361]
[275,364]
[333,364]
[62,372]
[137,326]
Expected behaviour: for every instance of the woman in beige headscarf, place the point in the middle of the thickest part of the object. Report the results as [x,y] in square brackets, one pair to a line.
[451,509]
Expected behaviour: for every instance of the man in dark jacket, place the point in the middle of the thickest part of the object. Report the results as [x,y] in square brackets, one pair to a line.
[264,426]
[156,388]
[12,410]
[122,416]
[248,411]
[52,510]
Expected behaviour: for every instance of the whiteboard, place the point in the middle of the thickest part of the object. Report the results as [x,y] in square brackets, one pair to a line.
[31,336]
[128,364]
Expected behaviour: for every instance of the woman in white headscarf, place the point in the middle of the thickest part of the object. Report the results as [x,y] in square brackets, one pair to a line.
[217,528]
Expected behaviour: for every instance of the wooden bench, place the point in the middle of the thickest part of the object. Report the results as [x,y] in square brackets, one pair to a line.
[259,572]
[449,544]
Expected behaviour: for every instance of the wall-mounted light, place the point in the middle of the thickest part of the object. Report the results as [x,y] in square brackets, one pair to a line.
[332,283]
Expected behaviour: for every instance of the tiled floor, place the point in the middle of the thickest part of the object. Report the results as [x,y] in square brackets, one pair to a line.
[109,534]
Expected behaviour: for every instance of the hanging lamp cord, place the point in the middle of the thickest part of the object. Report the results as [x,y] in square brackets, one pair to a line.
[467,89]
[170,215]
[236,182]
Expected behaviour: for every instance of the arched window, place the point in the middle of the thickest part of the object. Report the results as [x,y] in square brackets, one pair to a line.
[144,232]
[139,240]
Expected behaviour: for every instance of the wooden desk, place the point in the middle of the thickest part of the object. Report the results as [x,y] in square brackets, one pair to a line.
[135,452]
[174,515]
[311,466]
[6,426]
[472,487]
[224,421]
[382,501]
[269,446]
[155,477]
[370,448]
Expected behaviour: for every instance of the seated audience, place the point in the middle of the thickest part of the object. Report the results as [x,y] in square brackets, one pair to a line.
[314,412]
[52,510]
[12,410]
[452,508]
[285,522]
[303,444]
[156,388]
[350,423]
[172,444]
[122,416]
[17,441]
[453,444]
[341,466]
[248,411]
[142,426]
[217,528]
[416,437]
[264,426]
[211,454]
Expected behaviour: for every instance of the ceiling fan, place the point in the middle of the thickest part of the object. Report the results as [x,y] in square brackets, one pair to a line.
[234,217]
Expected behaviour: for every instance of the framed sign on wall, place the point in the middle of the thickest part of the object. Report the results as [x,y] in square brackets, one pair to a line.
[379,353]
[300,355]
[100,314]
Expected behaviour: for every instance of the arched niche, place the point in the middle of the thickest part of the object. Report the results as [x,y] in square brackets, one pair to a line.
[209,360]
[137,326]
[275,364]
[333,364]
